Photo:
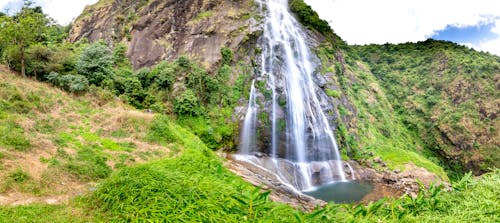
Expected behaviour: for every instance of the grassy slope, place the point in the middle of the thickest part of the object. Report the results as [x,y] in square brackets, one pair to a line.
[446,93]
[190,187]
[53,144]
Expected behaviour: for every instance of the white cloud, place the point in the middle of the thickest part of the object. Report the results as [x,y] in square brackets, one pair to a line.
[3,4]
[63,11]
[398,21]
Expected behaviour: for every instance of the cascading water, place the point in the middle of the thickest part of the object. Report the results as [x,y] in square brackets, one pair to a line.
[302,149]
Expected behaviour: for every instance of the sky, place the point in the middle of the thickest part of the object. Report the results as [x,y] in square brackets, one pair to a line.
[474,23]
[63,11]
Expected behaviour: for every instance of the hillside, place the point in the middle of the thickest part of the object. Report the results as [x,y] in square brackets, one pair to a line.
[193,185]
[447,94]
[54,145]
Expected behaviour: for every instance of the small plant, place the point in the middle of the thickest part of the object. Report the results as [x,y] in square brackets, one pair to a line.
[252,203]
[183,61]
[19,176]
[333,93]
[463,183]
[227,56]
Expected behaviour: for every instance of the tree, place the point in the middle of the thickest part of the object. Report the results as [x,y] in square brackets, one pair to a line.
[96,63]
[23,29]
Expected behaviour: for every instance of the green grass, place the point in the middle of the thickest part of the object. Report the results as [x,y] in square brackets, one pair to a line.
[196,187]
[40,213]
[13,136]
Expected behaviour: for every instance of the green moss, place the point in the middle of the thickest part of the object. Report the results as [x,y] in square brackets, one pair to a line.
[333,93]
[204,15]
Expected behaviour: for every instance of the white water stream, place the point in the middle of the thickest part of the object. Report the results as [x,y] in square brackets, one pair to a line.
[302,149]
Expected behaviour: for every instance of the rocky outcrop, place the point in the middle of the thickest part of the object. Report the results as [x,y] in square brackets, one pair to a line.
[165,29]
[386,183]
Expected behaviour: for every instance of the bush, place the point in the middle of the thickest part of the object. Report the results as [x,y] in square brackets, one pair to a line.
[187,104]
[183,61]
[162,74]
[119,55]
[95,63]
[227,55]
[71,83]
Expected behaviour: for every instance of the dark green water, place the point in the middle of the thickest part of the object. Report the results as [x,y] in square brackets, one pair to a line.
[342,192]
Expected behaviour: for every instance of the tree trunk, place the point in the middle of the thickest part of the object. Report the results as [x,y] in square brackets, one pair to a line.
[23,63]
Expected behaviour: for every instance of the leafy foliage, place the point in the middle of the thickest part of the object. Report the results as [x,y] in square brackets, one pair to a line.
[20,31]
[69,82]
[95,63]
[446,94]
[309,17]
[187,104]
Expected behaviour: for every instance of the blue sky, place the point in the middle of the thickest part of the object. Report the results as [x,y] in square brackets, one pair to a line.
[475,23]
[469,35]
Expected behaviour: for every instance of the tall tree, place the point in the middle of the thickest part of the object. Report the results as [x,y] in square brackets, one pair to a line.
[22,30]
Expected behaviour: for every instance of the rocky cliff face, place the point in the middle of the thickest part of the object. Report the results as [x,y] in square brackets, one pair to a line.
[164,29]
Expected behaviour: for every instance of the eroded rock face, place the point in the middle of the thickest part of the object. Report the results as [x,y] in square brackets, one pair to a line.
[165,29]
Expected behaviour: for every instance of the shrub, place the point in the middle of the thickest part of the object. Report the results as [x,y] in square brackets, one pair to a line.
[119,55]
[144,76]
[187,104]
[227,55]
[71,83]
[95,63]
[162,74]
[183,61]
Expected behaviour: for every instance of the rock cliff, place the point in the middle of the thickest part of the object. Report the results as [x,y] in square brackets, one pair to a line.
[164,29]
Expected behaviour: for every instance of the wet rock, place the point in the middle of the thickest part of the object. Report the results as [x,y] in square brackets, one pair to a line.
[369,163]
[316,167]
[390,178]
[259,154]
[279,191]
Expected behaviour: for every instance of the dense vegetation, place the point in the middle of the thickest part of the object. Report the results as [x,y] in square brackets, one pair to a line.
[203,101]
[142,140]
[193,186]
[447,94]
[367,126]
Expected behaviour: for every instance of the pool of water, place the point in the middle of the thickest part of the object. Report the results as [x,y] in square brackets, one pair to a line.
[342,192]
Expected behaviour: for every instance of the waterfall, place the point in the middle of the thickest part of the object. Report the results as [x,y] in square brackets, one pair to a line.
[248,135]
[302,149]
